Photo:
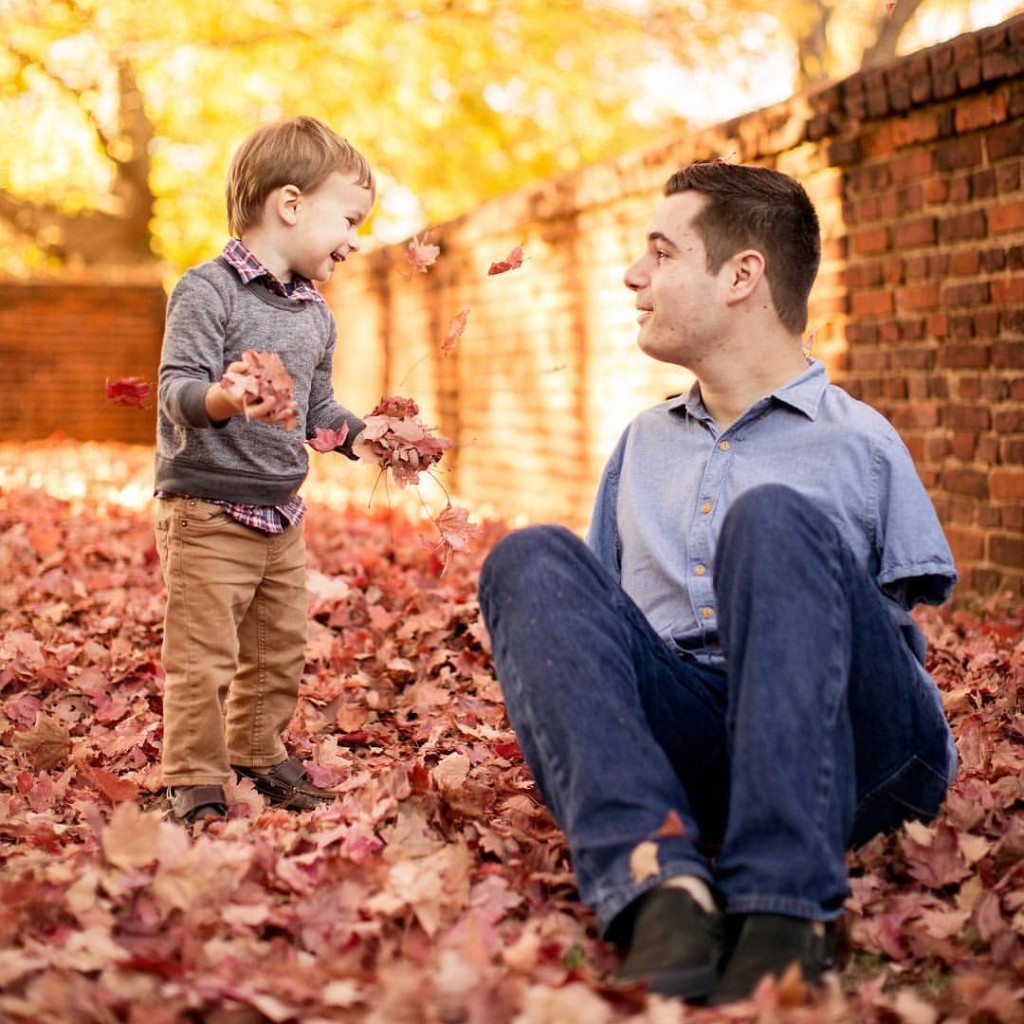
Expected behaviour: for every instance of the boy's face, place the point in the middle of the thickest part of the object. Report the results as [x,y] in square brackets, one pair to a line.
[326,224]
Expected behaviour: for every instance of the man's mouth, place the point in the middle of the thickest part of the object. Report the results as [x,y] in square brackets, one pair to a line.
[337,257]
[645,314]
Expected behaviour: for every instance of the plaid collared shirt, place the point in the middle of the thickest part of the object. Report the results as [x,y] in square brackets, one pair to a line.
[249,268]
[268,518]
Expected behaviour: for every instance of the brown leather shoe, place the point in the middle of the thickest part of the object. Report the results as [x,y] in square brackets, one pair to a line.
[286,784]
[191,804]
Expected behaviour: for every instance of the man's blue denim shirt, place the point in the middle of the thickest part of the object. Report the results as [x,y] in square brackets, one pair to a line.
[673,475]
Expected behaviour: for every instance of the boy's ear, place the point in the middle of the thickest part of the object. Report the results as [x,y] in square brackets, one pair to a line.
[285,203]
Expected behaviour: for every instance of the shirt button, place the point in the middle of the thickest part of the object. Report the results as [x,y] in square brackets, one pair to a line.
[706,507]
[724,446]
[706,613]
[700,569]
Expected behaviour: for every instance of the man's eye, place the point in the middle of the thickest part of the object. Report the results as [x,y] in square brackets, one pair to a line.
[660,254]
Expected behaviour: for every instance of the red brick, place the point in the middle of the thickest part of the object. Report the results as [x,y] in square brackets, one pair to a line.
[919,296]
[1006,550]
[1010,217]
[871,303]
[936,190]
[914,164]
[958,154]
[961,357]
[1008,289]
[966,262]
[1005,141]
[973,483]
[972,293]
[966,542]
[1007,484]
[913,233]
[870,240]
[981,111]
[970,224]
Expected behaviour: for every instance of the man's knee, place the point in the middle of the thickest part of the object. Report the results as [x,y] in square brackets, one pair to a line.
[524,556]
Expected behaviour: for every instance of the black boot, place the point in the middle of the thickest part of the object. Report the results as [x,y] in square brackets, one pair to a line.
[769,944]
[677,947]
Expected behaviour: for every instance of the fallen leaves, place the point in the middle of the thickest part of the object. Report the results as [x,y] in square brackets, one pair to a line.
[437,886]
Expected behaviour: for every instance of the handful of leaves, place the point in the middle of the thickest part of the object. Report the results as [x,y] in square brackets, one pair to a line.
[262,377]
[397,440]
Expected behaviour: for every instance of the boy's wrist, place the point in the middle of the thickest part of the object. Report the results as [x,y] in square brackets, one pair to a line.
[218,406]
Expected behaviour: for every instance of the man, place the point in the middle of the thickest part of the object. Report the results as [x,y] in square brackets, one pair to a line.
[727,670]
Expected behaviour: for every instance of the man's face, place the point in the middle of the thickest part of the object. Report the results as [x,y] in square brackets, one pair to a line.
[680,303]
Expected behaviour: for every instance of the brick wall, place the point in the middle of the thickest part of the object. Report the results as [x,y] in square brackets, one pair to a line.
[60,342]
[919,308]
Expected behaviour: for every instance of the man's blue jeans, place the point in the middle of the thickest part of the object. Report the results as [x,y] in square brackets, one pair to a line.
[820,731]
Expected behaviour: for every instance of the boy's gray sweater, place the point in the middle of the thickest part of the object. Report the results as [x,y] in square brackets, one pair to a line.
[212,317]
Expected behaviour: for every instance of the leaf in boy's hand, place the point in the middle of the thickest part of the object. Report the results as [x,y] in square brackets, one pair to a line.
[455,329]
[512,261]
[129,391]
[262,377]
[421,254]
[326,440]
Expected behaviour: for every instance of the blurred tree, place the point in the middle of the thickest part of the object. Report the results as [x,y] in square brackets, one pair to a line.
[118,117]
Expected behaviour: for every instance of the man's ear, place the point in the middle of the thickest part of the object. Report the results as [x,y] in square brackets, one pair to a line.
[285,203]
[746,269]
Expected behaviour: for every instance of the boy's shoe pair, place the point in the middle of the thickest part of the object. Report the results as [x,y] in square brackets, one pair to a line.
[680,950]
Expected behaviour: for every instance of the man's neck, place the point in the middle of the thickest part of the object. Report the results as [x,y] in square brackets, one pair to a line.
[727,391]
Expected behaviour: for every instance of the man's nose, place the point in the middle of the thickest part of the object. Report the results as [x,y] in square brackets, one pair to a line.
[632,278]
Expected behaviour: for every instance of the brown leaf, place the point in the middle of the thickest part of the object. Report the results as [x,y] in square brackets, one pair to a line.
[48,743]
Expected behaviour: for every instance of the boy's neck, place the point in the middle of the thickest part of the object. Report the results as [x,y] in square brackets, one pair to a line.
[262,246]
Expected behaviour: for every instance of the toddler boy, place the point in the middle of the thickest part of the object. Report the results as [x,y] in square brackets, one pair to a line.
[228,519]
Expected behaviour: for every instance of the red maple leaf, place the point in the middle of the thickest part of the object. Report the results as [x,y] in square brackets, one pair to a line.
[512,261]
[421,254]
[129,391]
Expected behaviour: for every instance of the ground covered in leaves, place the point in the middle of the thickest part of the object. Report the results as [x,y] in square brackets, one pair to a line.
[436,888]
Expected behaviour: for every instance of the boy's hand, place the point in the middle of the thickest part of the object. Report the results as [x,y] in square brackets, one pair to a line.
[222,404]
[259,387]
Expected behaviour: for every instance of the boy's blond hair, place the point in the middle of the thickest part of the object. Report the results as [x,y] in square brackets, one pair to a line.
[301,151]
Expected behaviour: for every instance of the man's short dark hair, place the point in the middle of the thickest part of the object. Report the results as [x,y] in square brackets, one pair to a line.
[758,208]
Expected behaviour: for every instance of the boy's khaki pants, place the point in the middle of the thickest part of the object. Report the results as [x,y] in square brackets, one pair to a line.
[234,640]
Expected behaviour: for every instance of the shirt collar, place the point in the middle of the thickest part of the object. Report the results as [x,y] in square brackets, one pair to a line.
[803,393]
[249,268]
